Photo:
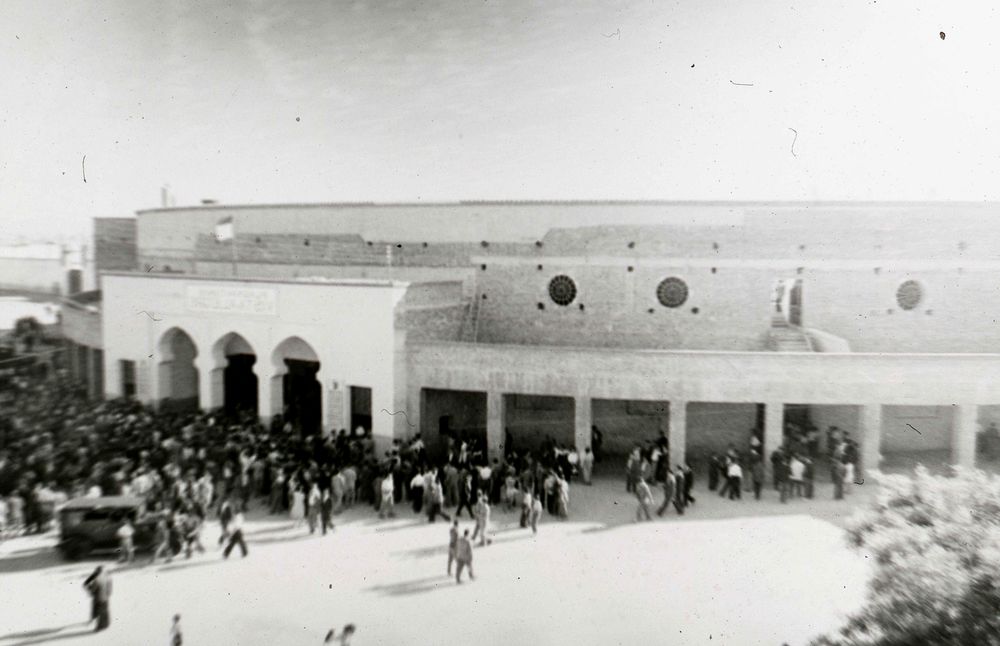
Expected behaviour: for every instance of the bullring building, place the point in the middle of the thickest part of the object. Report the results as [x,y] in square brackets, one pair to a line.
[698,320]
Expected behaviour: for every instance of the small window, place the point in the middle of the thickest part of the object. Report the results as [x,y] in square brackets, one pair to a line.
[672,292]
[909,295]
[562,290]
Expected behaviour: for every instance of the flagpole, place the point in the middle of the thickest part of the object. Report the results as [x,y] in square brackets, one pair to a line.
[234,248]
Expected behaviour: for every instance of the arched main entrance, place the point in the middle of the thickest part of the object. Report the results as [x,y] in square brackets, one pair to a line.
[178,376]
[295,367]
[233,377]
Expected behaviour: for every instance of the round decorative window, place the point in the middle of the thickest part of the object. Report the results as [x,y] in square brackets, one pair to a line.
[562,290]
[672,292]
[909,295]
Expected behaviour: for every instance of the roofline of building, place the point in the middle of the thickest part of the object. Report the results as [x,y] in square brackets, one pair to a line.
[319,280]
[675,203]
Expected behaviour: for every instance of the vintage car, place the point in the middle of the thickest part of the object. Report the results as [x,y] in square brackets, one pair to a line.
[90,525]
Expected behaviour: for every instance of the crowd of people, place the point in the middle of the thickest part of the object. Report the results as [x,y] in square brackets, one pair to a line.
[187,466]
[58,444]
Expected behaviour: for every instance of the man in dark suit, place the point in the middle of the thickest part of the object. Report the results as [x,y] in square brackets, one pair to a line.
[98,585]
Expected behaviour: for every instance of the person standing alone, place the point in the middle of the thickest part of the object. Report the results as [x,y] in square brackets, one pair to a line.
[463,555]
[99,586]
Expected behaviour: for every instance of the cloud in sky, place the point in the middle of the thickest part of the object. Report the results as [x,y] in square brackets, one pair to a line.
[434,100]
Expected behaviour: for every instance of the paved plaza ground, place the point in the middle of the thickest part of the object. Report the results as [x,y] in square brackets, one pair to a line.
[726,573]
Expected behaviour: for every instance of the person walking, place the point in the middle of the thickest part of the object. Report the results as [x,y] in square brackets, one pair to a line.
[463,557]
[482,520]
[338,489]
[838,473]
[161,538]
[326,512]
[465,495]
[88,585]
[452,544]
[298,510]
[388,501]
[417,491]
[345,636]
[225,517]
[98,585]
[435,501]
[313,507]
[587,466]
[176,635]
[757,474]
[192,535]
[668,493]
[645,498]
[237,537]
[562,493]
[536,514]
[125,539]
[735,480]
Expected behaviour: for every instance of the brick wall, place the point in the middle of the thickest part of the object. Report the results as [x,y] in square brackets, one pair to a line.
[724,310]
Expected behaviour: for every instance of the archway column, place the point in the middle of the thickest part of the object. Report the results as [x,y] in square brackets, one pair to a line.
[210,382]
[326,395]
[269,393]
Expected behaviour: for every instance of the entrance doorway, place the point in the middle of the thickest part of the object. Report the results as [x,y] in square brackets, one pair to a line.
[297,365]
[786,302]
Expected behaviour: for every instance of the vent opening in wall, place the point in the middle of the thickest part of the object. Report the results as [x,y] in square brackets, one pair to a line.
[631,268]
[562,290]
[695,310]
[909,294]
[581,307]
[541,306]
[672,292]
[483,267]
[540,267]
[714,270]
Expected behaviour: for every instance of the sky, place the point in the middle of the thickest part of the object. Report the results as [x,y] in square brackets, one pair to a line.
[326,101]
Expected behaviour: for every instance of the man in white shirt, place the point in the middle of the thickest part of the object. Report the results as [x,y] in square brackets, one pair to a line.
[735,475]
[125,534]
[236,536]
[796,474]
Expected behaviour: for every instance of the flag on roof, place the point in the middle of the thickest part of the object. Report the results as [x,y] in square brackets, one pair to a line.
[224,229]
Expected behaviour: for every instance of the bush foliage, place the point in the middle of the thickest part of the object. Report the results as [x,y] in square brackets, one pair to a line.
[935,542]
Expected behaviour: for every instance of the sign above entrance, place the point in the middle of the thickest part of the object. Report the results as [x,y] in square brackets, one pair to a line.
[234,300]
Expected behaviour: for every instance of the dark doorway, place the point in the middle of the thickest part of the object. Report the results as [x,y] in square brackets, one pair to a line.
[302,396]
[361,407]
[240,383]
[795,304]
[74,281]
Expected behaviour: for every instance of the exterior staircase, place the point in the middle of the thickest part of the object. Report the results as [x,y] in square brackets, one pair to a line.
[470,323]
[784,337]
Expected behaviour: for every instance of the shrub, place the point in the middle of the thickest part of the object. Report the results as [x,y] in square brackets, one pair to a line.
[935,542]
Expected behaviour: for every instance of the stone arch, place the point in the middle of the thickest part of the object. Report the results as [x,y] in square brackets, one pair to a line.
[234,383]
[178,375]
[295,390]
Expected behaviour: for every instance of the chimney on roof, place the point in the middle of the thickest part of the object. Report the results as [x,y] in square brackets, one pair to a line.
[208,202]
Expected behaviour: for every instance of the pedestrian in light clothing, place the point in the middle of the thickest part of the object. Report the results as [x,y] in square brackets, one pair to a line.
[388,501]
[482,520]
[586,465]
[668,494]
[236,537]
[314,501]
[535,515]
[125,534]
[452,544]
[463,557]
[645,498]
